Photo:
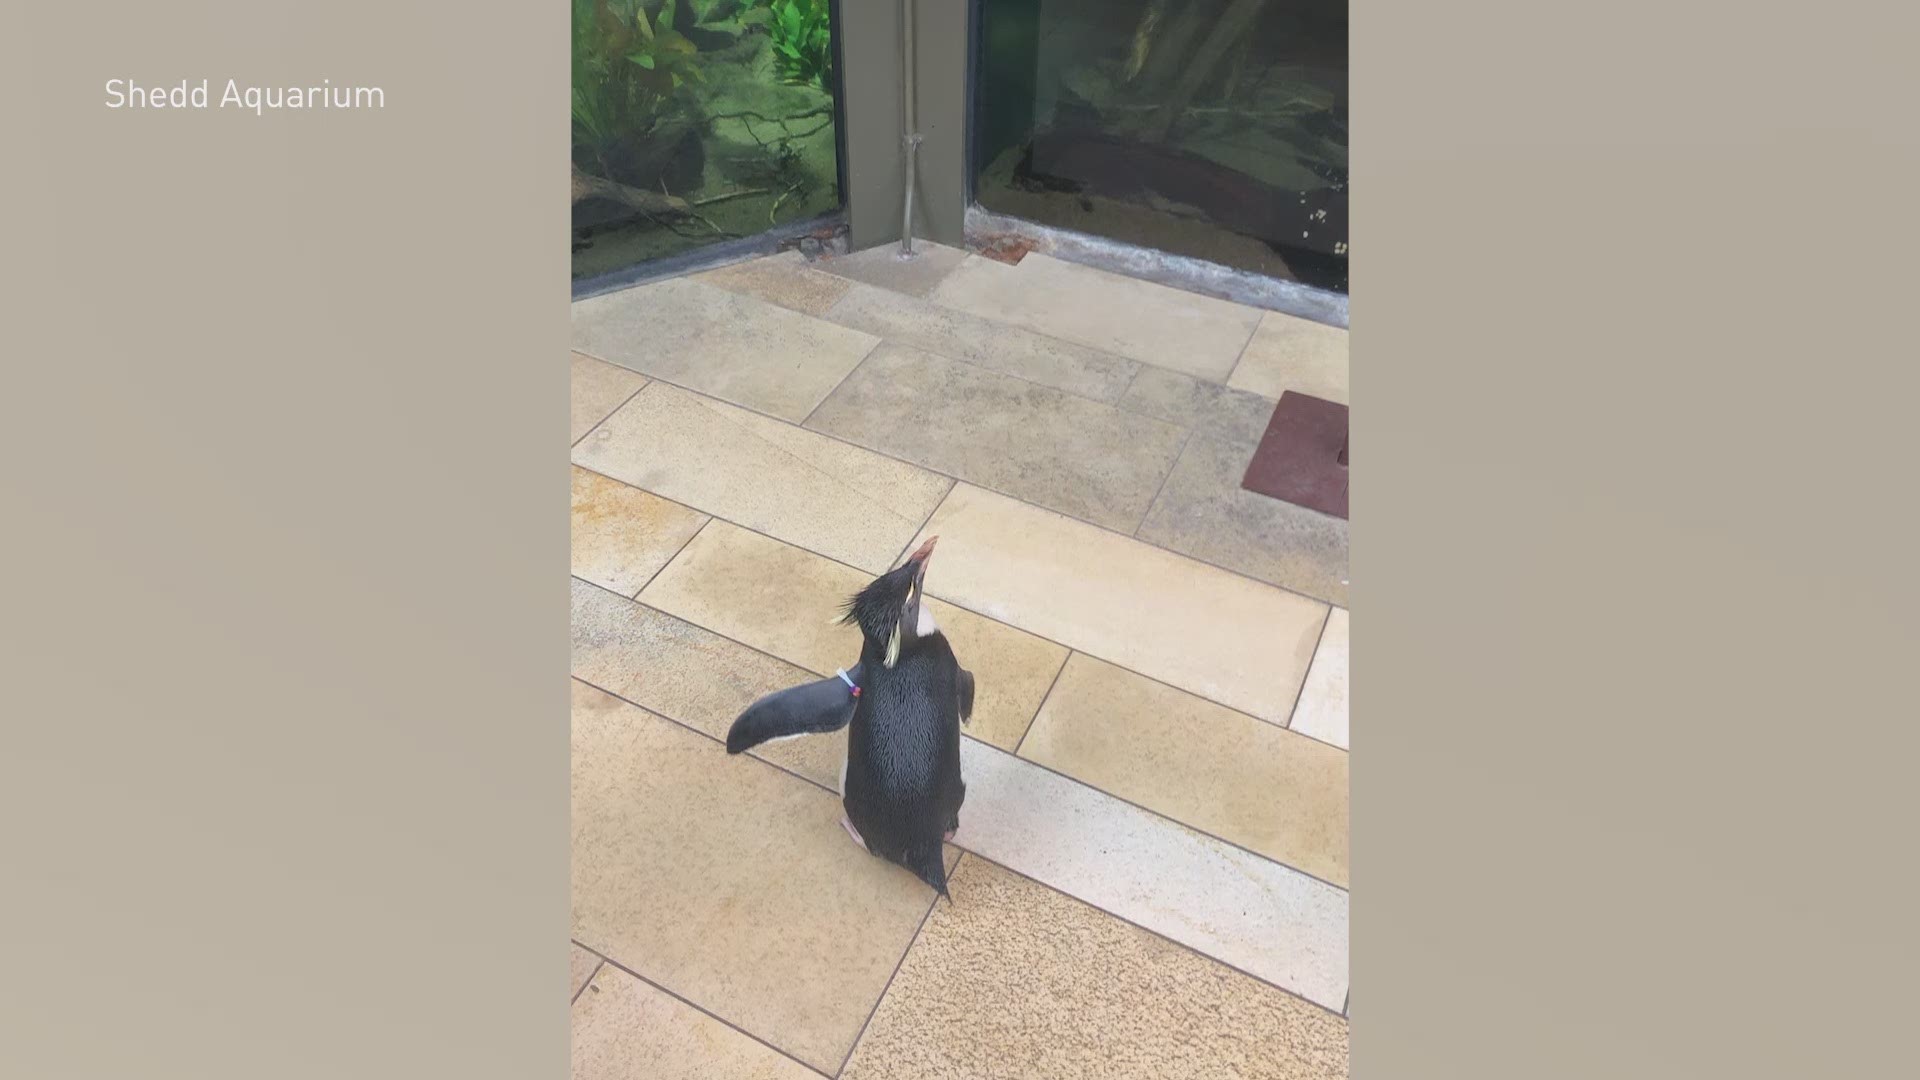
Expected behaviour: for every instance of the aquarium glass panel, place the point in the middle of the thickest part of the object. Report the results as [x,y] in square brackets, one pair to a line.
[697,121]
[1210,128]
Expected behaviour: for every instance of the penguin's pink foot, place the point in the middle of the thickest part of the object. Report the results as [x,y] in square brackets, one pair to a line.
[949,837]
[853,832]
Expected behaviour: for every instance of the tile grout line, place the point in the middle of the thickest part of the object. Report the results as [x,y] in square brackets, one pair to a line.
[1150,811]
[1042,707]
[1042,766]
[671,502]
[978,614]
[677,722]
[842,381]
[995,324]
[835,559]
[623,402]
[897,965]
[969,851]
[706,403]
[682,550]
[924,467]
[928,299]
[1241,356]
[1260,314]
[1241,574]
[608,961]
[1155,933]
[598,963]
[1000,622]
[1318,639]
[1114,404]
[1162,489]
[938,503]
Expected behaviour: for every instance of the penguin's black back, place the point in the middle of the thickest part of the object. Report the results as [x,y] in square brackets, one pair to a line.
[903,788]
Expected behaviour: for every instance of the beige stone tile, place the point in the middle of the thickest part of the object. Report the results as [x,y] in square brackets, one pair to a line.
[598,388]
[691,675]
[1147,322]
[1050,448]
[805,488]
[730,883]
[1015,980]
[721,343]
[779,598]
[621,535]
[581,964]
[1322,711]
[1237,907]
[1222,772]
[624,1029]
[1203,511]
[1193,403]
[882,266]
[1289,353]
[783,279]
[1212,633]
[905,320]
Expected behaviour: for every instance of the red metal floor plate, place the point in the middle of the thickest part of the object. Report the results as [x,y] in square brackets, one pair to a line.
[1300,458]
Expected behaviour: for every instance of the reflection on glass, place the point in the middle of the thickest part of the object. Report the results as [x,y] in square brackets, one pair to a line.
[1210,128]
[696,121]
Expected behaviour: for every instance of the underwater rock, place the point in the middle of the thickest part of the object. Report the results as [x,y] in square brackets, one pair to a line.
[672,157]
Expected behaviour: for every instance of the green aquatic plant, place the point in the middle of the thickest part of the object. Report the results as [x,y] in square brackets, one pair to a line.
[802,42]
[627,69]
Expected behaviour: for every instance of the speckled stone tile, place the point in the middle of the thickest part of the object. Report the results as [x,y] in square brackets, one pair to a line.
[1264,918]
[1141,320]
[598,388]
[777,597]
[905,320]
[1212,633]
[819,493]
[1222,772]
[1289,353]
[783,279]
[624,1029]
[622,536]
[721,343]
[1050,448]
[730,883]
[1322,711]
[1203,511]
[882,266]
[580,964]
[691,675]
[1193,403]
[1015,980]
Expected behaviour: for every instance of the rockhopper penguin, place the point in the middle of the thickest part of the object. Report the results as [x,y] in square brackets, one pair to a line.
[906,699]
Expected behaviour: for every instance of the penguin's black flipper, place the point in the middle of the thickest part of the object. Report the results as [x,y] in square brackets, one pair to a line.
[929,863]
[809,709]
[966,695]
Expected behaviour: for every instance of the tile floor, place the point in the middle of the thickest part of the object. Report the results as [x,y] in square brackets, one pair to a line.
[1150,878]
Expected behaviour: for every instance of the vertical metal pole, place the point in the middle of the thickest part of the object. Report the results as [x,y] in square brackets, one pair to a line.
[911,136]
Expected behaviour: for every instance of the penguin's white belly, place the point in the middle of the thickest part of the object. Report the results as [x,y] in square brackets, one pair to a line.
[843,772]
[925,626]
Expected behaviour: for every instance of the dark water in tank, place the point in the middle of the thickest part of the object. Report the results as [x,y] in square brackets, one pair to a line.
[697,121]
[1210,128]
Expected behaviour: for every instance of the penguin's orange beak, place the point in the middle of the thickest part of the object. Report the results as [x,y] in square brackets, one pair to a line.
[925,551]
